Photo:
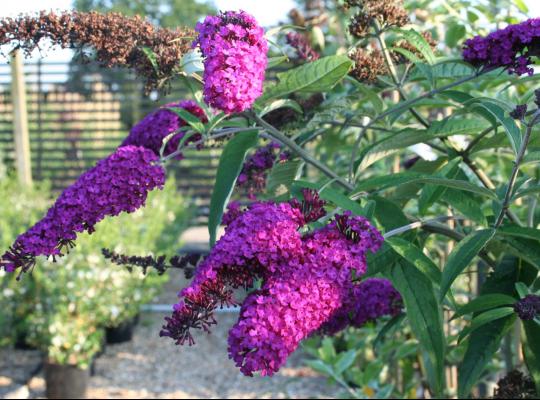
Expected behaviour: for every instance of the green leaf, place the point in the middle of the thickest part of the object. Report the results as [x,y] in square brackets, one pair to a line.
[520,231]
[320,366]
[330,111]
[377,262]
[425,317]
[527,191]
[389,215]
[483,303]
[314,77]
[456,125]
[420,43]
[344,361]
[388,329]
[388,181]
[532,157]
[431,194]
[520,4]
[275,61]
[526,249]
[512,131]
[452,69]
[485,318]
[416,257]
[281,103]
[283,173]
[191,119]
[148,52]
[531,350]
[522,289]
[230,165]
[454,34]
[466,204]
[462,256]
[409,137]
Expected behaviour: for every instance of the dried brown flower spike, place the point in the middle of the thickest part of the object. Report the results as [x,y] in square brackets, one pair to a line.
[368,65]
[116,40]
[387,13]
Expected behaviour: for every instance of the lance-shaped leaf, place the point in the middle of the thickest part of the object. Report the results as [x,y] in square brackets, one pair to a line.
[230,165]
[462,256]
[314,77]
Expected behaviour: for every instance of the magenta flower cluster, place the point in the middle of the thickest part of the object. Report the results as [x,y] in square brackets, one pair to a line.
[255,169]
[120,182]
[152,129]
[234,51]
[510,48]
[306,281]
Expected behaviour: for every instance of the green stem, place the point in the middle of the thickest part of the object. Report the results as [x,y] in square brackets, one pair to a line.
[291,144]
[515,169]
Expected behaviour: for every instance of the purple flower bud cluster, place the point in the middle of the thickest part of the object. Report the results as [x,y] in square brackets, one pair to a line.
[306,280]
[234,51]
[118,183]
[153,128]
[510,48]
[302,46]
[528,307]
[255,169]
[234,210]
[367,301]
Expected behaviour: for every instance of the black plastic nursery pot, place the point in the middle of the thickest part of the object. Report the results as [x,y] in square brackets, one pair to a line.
[123,332]
[21,343]
[65,381]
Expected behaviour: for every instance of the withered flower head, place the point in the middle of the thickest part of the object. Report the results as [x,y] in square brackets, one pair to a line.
[368,65]
[116,40]
[387,13]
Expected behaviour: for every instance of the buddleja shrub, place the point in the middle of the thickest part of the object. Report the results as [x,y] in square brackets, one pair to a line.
[350,225]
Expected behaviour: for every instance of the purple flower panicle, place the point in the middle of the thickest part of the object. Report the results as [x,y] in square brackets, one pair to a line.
[367,301]
[305,281]
[528,307]
[118,183]
[255,169]
[153,128]
[510,48]
[303,48]
[234,51]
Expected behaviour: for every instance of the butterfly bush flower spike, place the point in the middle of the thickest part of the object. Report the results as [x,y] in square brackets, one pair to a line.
[306,281]
[120,182]
[511,48]
[156,126]
[235,59]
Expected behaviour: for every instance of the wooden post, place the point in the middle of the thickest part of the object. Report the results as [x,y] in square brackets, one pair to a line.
[20,120]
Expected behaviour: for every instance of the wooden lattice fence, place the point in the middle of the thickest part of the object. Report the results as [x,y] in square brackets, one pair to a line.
[78,114]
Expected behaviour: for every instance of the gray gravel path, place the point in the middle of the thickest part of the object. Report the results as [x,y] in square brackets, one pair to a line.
[153,367]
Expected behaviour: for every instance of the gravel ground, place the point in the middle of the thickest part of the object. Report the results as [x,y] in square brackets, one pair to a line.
[153,367]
